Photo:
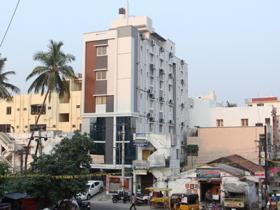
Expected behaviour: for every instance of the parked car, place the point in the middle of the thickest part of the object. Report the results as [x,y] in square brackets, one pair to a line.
[92,188]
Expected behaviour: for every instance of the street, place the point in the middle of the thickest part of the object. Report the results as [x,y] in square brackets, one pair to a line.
[108,205]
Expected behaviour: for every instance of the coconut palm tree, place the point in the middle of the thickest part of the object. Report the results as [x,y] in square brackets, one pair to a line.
[6,89]
[50,77]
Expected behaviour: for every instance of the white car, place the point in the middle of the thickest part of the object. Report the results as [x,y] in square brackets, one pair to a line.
[93,187]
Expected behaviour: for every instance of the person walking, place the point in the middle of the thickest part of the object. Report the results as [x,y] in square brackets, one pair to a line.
[133,201]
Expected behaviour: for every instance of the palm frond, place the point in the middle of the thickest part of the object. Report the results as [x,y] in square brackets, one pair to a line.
[37,71]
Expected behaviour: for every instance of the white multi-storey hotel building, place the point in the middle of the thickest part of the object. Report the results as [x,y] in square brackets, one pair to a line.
[132,77]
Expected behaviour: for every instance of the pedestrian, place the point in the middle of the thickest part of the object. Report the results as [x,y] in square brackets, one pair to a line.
[133,201]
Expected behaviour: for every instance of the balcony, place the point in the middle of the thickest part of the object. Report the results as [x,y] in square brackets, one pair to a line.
[157,161]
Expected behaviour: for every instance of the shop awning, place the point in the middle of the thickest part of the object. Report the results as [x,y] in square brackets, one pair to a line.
[238,187]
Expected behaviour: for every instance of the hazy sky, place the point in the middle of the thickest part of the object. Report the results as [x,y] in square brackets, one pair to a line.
[231,46]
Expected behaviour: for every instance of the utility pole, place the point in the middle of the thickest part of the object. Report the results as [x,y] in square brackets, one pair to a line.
[123,148]
[265,164]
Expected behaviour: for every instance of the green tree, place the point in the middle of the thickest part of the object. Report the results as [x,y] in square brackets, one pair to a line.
[51,77]
[4,170]
[68,158]
[6,89]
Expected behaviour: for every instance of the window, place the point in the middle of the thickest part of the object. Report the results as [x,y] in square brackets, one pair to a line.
[244,122]
[100,75]
[220,122]
[42,127]
[160,128]
[177,154]
[267,121]
[76,85]
[77,106]
[261,104]
[100,99]
[101,51]
[8,110]
[5,128]
[37,108]
[64,117]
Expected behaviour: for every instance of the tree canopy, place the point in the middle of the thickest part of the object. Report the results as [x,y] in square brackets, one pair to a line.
[69,158]
[6,88]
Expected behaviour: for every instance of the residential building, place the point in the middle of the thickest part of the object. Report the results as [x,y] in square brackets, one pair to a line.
[216,130]
[216,142]
[133,78]
[207,112]
[59,114]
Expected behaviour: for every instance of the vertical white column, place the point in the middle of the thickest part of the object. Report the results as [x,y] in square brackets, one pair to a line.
[114,139]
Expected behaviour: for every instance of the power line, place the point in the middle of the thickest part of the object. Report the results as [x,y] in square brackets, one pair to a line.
[5,34]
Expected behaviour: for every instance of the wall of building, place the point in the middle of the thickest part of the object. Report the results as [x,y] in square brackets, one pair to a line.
[205,113]
[21,117]
[214,143]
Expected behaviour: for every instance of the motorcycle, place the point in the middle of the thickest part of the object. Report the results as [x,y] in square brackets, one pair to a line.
[84,205]
[142,200]
[121,196]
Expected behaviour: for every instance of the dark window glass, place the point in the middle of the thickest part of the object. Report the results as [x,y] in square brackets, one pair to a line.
[98,128]
[267,121]
[64,117]
[36,108]
[6,128]
[9,110]
[130,129]
[41,127]
[99,149]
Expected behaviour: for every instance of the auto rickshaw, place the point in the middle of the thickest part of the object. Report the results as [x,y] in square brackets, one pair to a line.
[181,201]
[159,197]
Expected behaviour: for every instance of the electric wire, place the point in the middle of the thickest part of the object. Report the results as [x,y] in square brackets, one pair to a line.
[10,22]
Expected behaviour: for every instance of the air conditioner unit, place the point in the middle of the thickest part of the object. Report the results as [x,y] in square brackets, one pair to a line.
[142,37]
[152,119]
[152,95]
[152,67]
[170,55]
[170,75]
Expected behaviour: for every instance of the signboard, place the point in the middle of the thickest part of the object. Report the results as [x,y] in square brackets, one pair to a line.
[234,203]
[140,172]
[140,143]
[140,140]
[207,173]
[260,174]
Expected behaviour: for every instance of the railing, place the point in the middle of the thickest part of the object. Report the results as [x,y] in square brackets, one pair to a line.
[6,139]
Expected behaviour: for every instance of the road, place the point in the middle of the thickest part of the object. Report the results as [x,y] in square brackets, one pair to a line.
[116,206]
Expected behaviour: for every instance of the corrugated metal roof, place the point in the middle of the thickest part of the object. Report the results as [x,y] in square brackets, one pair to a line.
[240,162]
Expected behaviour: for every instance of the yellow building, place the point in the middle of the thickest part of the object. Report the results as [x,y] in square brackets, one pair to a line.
[59,114]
